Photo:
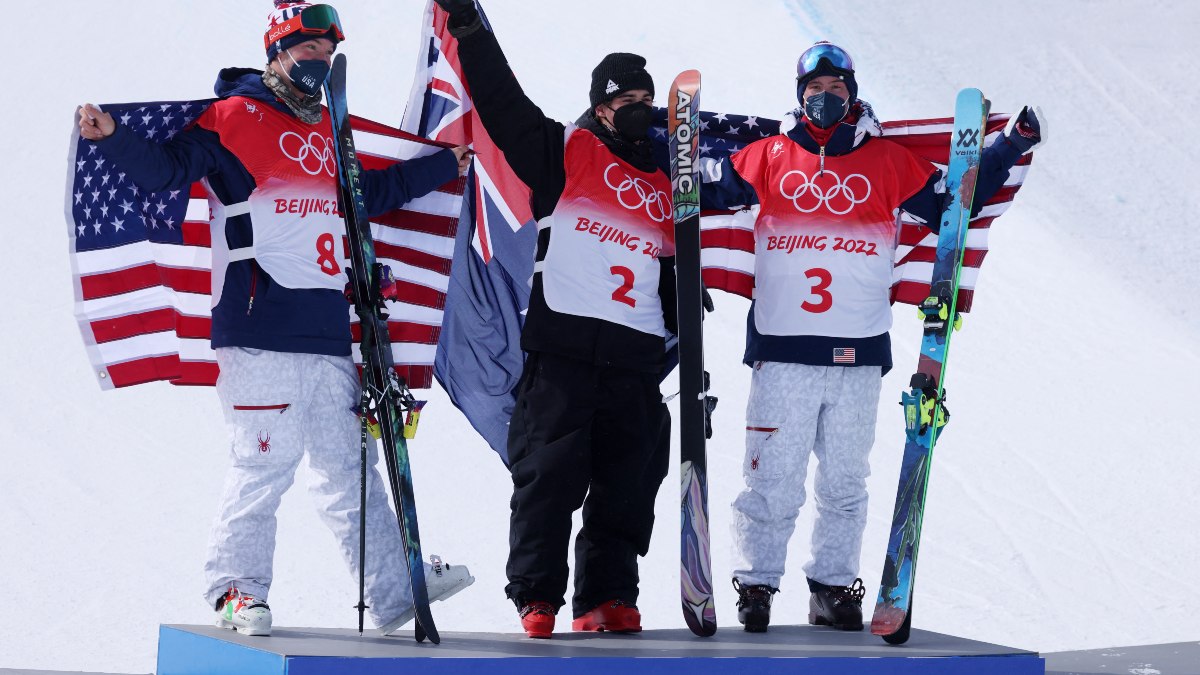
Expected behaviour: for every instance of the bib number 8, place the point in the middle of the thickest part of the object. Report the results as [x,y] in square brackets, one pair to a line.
[822,279]
[325,255]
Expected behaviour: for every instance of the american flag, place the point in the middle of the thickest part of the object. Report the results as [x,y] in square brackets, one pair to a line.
[727,238]
[843,355]
[141,261]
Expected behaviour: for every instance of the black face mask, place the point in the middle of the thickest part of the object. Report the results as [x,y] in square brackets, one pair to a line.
[825,109]
[308,75]
[632,120]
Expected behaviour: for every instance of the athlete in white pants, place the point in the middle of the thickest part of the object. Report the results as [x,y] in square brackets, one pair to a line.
[796,411]
[278,407]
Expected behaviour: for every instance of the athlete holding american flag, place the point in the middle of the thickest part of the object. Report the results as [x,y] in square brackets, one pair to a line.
[280,320]
[830,194]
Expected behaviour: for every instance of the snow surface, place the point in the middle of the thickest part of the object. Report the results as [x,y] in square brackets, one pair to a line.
[1062,510]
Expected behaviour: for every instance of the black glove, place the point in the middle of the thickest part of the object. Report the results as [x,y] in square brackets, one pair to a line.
[1024,130]
[706,299]
[453,7]
[462,14]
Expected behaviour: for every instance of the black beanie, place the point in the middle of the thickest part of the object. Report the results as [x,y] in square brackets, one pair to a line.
[617,74]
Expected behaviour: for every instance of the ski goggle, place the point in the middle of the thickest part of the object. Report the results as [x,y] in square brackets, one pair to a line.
[315,20]
[837,58]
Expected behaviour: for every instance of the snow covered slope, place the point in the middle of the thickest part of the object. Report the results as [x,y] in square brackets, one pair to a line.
[1062,511]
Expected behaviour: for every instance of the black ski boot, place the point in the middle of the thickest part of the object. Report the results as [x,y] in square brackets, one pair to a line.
[837,606]
[754,606]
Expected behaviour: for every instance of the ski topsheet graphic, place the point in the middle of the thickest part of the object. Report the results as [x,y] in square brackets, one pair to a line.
[385,396]
[695,405]
[924,409]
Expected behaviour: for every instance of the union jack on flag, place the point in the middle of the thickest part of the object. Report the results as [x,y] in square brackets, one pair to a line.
[440,109]
[141,261]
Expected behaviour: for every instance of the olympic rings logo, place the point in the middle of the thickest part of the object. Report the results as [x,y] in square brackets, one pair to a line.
[657,203]
[840,198]
[314,155]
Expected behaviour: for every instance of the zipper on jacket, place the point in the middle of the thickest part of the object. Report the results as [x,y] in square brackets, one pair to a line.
[253,286]
[822,161]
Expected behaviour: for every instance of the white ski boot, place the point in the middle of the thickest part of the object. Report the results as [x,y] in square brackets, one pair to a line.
[441,581]
[244,613]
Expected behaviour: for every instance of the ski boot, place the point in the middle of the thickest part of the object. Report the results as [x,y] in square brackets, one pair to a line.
[837,606]
[754,606]
[537,618]
[441,582]
[616,616]
[243,613]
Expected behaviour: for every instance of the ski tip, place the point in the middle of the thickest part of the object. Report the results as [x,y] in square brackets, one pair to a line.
[687,78]
[971,97]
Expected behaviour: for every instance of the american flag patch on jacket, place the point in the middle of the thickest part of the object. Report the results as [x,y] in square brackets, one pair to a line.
[843,355]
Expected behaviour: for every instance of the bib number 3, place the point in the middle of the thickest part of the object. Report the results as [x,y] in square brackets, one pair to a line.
[821,279]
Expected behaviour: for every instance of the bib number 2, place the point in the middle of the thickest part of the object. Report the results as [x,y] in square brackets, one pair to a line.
[621,295]
[821,279]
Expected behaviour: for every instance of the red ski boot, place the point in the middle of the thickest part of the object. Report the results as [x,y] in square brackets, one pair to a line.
[616,616]
[537,618]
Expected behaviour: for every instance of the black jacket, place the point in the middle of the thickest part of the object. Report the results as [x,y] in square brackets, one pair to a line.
[535,147]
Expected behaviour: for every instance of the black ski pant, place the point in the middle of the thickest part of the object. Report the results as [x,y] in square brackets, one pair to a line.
[590,436]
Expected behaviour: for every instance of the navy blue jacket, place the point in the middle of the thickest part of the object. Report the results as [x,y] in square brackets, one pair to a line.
[728,190]
[310,321]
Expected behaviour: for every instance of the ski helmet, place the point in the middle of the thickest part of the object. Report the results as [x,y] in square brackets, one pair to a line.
[825,58]
[291,23]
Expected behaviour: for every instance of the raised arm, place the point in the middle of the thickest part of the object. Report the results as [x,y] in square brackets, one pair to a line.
[532,143]
[176,164]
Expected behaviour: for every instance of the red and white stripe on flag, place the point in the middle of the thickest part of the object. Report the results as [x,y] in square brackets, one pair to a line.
[143,308]
[440,108]
[727,239]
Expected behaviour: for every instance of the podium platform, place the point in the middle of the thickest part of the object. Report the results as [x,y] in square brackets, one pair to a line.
[192,650]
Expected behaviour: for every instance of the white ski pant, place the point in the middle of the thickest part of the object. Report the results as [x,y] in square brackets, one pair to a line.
[279,407]
[796,411]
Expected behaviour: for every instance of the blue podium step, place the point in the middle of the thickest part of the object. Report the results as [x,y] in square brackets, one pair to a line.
[191,650]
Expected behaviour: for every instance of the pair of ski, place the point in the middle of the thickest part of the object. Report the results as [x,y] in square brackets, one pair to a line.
[385,396]
[925,413]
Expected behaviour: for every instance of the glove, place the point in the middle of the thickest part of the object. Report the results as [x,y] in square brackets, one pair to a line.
[1027,129]
[706,299]
[463,16]
[453,7]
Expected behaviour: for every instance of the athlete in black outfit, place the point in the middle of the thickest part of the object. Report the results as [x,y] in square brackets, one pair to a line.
[589,428]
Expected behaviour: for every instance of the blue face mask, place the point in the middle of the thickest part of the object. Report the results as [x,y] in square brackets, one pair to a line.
[308,75]
[825,109]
